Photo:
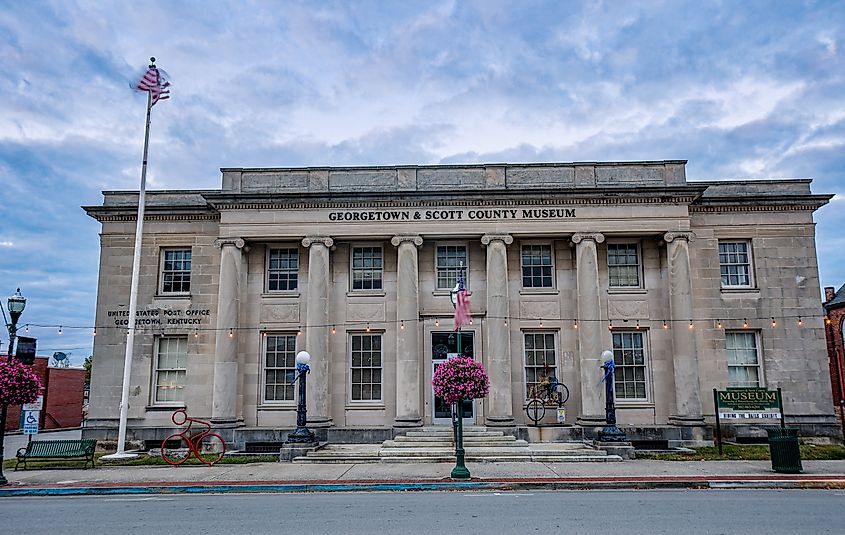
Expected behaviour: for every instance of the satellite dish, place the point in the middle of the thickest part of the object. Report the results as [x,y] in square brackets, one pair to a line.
[61,359]
[59,356]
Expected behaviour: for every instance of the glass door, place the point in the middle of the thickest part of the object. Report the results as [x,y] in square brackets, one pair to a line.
[443,347]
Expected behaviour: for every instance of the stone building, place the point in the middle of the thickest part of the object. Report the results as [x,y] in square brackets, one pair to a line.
[834,308]
[692,285]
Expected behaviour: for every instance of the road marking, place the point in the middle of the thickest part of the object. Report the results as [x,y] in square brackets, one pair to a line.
[515,494]
[139,499]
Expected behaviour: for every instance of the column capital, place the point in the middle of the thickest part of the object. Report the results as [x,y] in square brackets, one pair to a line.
[311,240]
[487,238]
[399,240]
[578,237]
[669,237]
[237,242]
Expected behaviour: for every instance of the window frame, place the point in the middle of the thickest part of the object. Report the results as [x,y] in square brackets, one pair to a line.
[639,266]
[362,245]
[281,246]
[437,246]
[752,280]
[646,365]
[758,350]
[161,272]
[154,401]
[556,339]
[349,384]
[262,396]
[522,266]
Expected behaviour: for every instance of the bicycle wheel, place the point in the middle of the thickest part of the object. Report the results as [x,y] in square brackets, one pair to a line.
[211,448]
[178,455]
[561,394]
[535,410]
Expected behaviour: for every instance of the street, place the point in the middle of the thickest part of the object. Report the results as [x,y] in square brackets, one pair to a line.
[571,512]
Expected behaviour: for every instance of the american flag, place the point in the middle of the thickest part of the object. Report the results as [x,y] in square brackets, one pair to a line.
[461,304]
[155,83]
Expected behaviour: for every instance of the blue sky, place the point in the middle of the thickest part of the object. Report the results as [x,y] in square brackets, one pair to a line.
[740,89]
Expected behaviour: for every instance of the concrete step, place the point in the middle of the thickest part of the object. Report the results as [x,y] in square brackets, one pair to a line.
[441,437]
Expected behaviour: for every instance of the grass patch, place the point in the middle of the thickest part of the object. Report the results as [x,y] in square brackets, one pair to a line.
[143,460]
[756,452]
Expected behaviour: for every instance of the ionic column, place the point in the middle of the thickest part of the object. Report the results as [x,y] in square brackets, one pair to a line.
[317,331]
[687,391]
[408,362]
[589,327]
[500,399]
[224,398]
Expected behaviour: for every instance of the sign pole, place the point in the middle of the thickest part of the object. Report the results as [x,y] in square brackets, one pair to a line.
[780,406]
[718,423]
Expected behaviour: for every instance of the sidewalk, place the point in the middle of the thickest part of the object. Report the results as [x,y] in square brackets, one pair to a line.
[287,477]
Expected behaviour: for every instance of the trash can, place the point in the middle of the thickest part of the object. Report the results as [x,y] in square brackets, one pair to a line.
[784,449]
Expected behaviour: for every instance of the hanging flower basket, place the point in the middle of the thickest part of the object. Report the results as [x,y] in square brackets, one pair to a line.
[18,382]
[460,378]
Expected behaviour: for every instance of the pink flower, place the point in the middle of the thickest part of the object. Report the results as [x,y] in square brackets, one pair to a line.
[460,378]
[18,382]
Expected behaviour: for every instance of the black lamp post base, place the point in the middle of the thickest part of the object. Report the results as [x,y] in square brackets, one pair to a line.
[301,435]
[611,433]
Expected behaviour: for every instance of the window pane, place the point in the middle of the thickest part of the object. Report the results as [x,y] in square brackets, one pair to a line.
[540,358]
[279,367]
[282,269]
[537,266]
[630,359]
[735,263]
[365,376]
[171,361]
[176,271]
[449,258]
[623,265]
[366,268]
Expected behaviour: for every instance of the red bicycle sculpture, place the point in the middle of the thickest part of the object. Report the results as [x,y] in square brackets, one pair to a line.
[206,446]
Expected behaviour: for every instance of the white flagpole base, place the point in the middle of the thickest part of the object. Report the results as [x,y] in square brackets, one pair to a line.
[119,456]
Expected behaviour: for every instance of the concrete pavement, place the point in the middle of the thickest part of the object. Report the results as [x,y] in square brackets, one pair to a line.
[287,477]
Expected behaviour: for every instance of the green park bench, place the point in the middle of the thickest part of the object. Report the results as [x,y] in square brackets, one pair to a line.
[48,450]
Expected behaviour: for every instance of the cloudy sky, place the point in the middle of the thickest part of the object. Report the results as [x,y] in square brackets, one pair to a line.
[740,89]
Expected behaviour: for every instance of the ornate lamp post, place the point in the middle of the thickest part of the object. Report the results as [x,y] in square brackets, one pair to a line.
[301,435]
[16,304]
[610,433]
[460,471]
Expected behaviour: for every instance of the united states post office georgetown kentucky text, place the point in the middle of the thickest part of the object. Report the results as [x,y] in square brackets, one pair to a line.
[692,285]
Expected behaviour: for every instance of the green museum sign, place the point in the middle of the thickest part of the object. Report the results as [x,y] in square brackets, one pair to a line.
[747,399]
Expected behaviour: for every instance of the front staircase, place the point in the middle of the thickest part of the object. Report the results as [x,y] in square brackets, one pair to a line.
[436,445]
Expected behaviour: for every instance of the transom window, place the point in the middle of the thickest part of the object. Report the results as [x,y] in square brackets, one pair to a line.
[282,269]
[743,359]
[367,267]
[540,358]
[175,271]
[171,360]
[366,367]
[735,264]
[537,266]
[623,265]
[448,262]
[279,367]
[629,355]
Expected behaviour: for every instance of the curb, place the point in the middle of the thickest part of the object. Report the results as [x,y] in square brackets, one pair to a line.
[420,486]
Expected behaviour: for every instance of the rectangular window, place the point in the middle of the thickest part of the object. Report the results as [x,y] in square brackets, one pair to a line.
[449,260]
[282,269]
[366,268]
[279,367]
[735,264]
[175,271]
[537,266]
[171,360]
[629,355]
[743,359]
[623,265]
[366,367]
[540,359]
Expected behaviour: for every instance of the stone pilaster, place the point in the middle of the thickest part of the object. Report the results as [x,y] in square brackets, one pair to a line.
[408,361]
[500,399]
[317,331]
[589,327]
[224,401]
[687,390]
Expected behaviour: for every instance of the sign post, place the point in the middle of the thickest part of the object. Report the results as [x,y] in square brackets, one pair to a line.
[746,404]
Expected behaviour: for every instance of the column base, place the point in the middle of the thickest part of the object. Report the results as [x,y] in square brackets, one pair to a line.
[407,421]
[320,422]
[499,421]
[226,422]
[687,420]
[591,420]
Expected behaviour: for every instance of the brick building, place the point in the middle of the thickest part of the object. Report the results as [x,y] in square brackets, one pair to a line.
[834,307]
[63,392]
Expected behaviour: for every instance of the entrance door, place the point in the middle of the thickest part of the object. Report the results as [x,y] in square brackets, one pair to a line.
[445,346]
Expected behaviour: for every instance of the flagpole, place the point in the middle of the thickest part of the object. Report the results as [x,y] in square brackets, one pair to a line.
[133,297]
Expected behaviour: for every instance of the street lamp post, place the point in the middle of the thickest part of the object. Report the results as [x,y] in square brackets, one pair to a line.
[460,471]
[610,433]
[301,435]
[16,304]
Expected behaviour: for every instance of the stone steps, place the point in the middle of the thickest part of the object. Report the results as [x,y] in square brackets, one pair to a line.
[435,445]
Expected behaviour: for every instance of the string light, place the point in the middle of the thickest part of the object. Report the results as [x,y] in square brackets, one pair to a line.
[334,331]
[800,322]
[299,330]
[437,322]
[745,323]
[638,325]
[231,332]
[402,325]
[665,325]
[197,333]
[690,324]
[60,329]
[26,328]
[774,323]
[575,324]
[368,326]
[264,334]
[827,320]
[718,324]
[95,331]
[506,322]
[470,321]
[610,325]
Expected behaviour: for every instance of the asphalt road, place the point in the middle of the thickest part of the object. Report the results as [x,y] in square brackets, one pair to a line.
[767,512]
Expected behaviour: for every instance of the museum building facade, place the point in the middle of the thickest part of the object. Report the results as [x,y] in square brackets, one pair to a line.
[691,285]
